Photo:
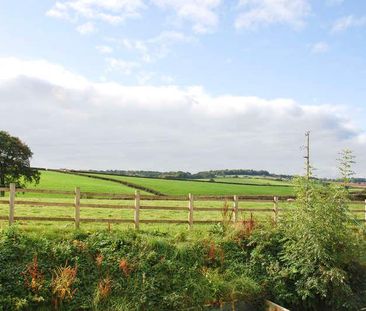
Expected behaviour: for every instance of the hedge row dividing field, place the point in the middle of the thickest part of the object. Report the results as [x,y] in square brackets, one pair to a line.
[184,187]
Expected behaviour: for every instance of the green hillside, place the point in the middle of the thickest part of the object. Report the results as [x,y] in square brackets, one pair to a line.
[254,181]
[182,187]
[68,182]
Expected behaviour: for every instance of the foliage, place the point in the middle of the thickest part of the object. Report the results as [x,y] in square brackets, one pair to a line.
[128,271]
[308,262]
[14,161]
[345,162]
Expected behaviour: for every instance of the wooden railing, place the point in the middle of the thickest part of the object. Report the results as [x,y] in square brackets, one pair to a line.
[136,206]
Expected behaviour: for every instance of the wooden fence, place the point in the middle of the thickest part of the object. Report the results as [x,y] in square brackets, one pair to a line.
[136,206]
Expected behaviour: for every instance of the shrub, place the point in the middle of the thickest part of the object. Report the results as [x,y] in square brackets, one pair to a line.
[128,271]
[308,261]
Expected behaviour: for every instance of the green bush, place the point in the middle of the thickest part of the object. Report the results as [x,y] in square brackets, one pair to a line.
[126,271]
[312,259]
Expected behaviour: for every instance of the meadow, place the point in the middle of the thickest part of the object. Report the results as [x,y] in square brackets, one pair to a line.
[261,181]
[161,266]
[184,187]
[67,182]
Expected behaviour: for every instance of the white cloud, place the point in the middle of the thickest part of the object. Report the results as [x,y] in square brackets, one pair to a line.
[110,11]
[155,48]
[258,13]
[126,67]
[69,121]
[320,48]
[104,49]
[202,13]
[349,21]
[86,28]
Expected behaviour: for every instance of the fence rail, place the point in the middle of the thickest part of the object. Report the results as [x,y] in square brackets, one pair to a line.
[136,207]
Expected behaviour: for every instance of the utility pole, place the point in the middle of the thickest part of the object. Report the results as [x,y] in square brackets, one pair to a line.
[307,156]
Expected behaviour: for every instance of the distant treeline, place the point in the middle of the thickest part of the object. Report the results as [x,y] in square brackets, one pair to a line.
[200,175]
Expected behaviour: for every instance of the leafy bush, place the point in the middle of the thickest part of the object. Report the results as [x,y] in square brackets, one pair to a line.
[311,260]
[129,271]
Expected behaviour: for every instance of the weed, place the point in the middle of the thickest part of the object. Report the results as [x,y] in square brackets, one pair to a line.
[62,283]
[33,277]
[104,288]
[124,267]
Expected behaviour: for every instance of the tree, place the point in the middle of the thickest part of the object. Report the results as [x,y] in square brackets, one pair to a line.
[345,162]
[15,162]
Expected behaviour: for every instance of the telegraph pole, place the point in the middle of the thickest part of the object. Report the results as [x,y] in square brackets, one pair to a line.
[307,156]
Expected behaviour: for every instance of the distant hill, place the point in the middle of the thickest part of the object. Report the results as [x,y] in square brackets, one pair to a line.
[200,175]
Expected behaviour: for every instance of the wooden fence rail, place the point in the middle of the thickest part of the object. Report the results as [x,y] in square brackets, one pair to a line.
[137,207]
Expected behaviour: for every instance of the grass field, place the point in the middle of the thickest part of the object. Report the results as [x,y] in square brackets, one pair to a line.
[182,187]
[254,181]
[68,182]
[66,227]
[61,181]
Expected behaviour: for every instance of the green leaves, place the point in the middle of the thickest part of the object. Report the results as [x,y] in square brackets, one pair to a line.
[15,161]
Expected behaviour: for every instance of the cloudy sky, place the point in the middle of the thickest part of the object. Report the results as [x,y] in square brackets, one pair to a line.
[185,84]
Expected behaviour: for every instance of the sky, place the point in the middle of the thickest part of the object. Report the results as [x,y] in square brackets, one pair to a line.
[185,84]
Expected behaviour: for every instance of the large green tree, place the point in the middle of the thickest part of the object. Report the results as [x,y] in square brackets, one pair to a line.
[15,162]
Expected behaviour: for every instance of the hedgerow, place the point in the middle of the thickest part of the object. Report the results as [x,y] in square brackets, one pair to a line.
[125,271]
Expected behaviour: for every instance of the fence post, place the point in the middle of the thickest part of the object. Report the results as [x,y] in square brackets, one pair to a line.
[275,209]
[236,209]
[11,204]
[365,211]
[77,207]
[137,210]
[190,210]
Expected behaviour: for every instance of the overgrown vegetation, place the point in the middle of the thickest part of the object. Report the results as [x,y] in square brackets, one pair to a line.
[132,271]
[313,258]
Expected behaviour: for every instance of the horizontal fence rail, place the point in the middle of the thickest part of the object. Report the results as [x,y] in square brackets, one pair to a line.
[135,205]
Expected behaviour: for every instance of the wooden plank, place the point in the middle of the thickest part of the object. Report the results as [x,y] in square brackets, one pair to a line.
[357,210]
[108,194]
[4,189]
[37,218]
[108,206]
[256,209]
[207,221]
[162,198]
[44,191]
[11,203]
[4,201]
[38,203]
[106,220]
[163,208]
[4,218]
[271,306]
[214,198]
[163,221]
[209,209]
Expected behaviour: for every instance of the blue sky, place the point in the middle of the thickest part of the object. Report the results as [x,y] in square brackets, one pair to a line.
[252,58]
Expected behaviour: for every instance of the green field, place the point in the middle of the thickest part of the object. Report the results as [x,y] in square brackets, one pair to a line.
[254,181]
[183,187]
[67,182]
